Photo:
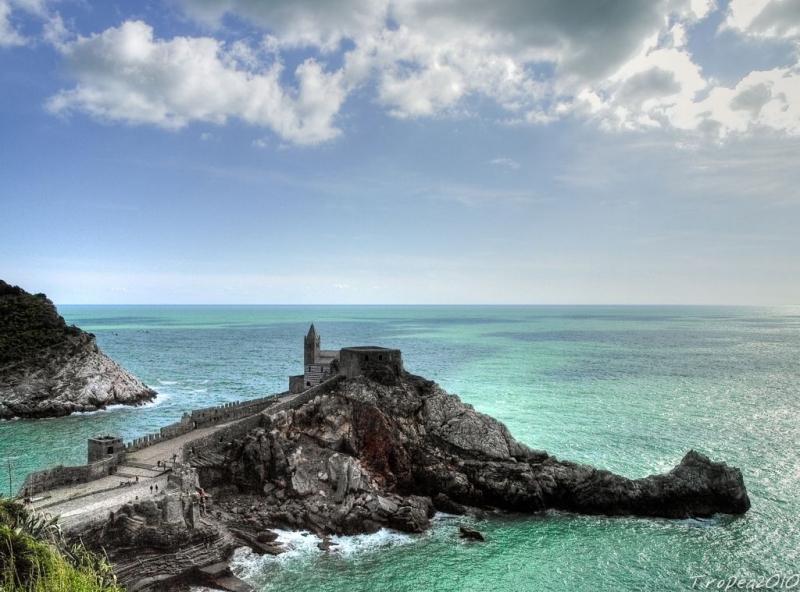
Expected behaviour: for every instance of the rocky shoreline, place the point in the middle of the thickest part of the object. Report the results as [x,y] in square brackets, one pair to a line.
[370,452]
[51,369]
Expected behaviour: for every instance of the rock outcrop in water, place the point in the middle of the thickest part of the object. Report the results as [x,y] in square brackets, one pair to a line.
[381,451]
[48,368]
[367,454]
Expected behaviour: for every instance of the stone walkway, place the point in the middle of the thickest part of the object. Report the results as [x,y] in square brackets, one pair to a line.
[84,502]
[75,503]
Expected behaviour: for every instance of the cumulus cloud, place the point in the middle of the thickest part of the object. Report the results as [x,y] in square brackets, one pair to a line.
[623,63]
[319,23]
[126,74]
[53,30]
[9,36]
[765,18]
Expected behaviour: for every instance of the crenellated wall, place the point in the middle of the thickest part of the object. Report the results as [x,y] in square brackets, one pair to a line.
[60,476]
[201,418]
[240,428]
[246,411]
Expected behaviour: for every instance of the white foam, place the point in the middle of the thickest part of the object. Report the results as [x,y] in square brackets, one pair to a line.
[302,546]
[359,544]
[160,398]
[108,409]
[167,382]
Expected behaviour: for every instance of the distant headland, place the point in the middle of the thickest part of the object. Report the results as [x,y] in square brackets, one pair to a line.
[49,368]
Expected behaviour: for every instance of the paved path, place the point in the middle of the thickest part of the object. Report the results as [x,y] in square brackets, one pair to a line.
[75,502]
[84,502]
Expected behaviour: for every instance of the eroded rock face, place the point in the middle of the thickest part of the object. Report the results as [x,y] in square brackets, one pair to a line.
[48,368]
[363,455]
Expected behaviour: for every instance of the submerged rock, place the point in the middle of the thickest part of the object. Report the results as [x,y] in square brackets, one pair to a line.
[470,534]
[48,368]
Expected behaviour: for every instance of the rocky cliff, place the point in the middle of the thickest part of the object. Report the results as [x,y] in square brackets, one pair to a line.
[374,451]
[48,368]
[367,454]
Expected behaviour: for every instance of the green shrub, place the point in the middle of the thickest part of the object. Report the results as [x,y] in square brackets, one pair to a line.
[31,328]
[35,558]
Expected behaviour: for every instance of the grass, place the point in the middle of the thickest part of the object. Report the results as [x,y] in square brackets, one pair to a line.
[35,558]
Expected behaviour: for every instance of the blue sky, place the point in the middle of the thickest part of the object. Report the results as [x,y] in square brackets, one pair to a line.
[369,151]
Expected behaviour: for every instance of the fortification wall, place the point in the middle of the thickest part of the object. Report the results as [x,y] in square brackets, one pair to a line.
[305,396]
[235,430]
[297,383]
[240,428]
[60,476]
[367,361]
[247,411]
[201,418]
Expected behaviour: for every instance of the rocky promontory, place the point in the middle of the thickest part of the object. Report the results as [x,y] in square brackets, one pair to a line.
[382,450]
[49,368]
[368,453]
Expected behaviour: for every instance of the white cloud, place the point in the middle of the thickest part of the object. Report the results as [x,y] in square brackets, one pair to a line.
[765,18]
[318,23]
[9,36]
[769,99]
[53,30]
[505,162]
[126,74]
[623,63]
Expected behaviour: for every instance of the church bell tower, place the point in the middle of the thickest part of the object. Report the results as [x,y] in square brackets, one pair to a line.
[311,346]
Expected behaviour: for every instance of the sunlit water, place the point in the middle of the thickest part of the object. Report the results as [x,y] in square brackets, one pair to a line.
[628,389]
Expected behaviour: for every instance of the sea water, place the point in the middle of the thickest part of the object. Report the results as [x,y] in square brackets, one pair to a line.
[629,389]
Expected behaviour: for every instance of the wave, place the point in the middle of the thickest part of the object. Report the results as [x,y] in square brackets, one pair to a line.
[302,546]
[107,409]
[161,398]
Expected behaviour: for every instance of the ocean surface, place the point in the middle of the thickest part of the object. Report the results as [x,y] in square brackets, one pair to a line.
[629,389]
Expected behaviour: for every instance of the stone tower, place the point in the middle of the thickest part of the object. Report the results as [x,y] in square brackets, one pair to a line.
[311,347]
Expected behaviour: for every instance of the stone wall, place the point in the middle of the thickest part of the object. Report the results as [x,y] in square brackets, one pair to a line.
[240,428]
[246,411]
[235,430]
[358,361]
[201,418]
[297,383]
[61,476]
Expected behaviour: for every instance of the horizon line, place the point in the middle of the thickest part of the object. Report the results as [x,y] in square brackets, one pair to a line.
[471,304]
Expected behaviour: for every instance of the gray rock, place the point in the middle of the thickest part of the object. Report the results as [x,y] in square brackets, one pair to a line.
[470,534]
[50,369]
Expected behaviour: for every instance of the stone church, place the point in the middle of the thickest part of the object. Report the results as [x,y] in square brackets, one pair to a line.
[321,364]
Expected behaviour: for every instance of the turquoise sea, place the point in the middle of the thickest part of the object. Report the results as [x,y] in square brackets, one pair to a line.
[629,389]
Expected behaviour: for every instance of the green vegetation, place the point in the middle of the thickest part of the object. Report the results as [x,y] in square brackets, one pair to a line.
[30,326]
[34,557]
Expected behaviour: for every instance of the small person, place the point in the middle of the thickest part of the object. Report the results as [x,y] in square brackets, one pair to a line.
[151,489]
[156,487]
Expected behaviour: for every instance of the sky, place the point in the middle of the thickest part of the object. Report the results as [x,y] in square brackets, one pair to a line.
[399,152]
